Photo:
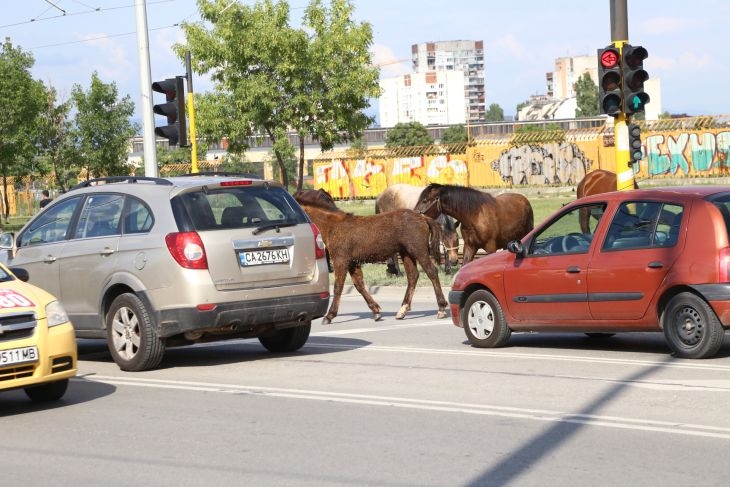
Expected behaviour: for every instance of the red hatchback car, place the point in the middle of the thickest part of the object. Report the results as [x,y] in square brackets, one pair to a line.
[628,261]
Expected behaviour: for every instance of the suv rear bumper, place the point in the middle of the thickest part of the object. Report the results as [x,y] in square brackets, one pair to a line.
[249,318]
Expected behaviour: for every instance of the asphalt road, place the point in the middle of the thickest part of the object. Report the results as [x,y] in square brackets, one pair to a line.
[388,403]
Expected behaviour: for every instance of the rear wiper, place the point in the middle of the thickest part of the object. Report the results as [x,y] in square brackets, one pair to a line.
[277,226]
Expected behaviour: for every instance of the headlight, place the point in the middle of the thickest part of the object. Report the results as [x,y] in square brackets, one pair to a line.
[55,314]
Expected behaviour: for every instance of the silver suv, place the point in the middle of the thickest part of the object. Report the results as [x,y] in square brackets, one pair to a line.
[153,262]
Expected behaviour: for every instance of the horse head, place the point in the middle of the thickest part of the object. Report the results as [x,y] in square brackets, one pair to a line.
[450,241]
[429,202]
[316,197]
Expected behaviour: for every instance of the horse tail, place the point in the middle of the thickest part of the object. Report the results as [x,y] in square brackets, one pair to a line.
[434,243]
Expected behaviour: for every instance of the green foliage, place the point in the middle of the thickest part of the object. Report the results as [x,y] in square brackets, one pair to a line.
[494,113]
[407,135]
[271,77]
[102,128]
[454,134]
[54,140]
[537,127]
[586,94]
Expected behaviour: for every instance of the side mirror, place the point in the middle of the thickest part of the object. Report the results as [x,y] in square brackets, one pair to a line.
[20,273]
[7,240]
[515,246]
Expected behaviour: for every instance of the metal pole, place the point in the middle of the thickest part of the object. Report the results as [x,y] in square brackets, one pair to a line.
[145,79]
[191,116]
[619,37]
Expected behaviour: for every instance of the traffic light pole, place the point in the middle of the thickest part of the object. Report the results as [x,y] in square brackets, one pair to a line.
[148,121]
[619,37]
[191,116]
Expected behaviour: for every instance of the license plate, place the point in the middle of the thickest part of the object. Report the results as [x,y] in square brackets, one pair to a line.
[260,257]
[18,356]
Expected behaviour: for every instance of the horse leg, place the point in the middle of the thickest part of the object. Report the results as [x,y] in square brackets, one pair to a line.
[412,275]
[469,252]
[359,283]
[393,268]
[340,273]
[433,273]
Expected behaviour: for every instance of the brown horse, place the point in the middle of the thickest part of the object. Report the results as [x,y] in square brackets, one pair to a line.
[486,222]
[595,182]
[350,241]
[406,196]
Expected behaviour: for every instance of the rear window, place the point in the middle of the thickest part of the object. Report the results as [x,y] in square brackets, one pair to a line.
[241,207]
[722,202]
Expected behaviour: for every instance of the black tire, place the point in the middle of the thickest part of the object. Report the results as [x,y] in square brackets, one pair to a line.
[131,335]
[691,327]
[286,340]
[483,320]
[51,391]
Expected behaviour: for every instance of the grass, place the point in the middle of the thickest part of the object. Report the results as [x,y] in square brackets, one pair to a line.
[543,205]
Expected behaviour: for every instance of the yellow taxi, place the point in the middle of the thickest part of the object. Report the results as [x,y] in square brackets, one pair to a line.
[37,340]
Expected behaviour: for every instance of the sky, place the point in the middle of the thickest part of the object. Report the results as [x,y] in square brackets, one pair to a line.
[686,41]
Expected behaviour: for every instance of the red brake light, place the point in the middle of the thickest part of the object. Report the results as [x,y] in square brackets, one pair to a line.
[187,249]
[724,264]
[236,183]
[319,246]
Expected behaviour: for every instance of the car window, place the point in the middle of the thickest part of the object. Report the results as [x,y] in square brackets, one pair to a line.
[644,224]
[572,232]
[100,215]
[138,217]
[241,207]
[51,225]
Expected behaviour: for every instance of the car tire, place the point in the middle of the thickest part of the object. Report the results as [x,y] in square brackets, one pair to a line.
[483,320]
[51,391]
[691,327]
[131,335]
[286,340]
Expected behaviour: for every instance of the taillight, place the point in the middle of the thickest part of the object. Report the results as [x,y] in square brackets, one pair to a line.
[724,263]
[319,245]
[187,249]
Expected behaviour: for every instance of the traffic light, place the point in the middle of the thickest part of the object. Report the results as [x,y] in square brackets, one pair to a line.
[609,81]
[633,78]
[635,154]
[174,109]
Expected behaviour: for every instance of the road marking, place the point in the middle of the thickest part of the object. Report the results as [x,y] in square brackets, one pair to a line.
[676,428]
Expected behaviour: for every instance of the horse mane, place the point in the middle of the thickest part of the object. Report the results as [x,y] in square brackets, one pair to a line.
[461,198]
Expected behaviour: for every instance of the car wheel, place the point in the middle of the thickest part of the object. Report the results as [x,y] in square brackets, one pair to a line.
[51,391]
[131,337]
[484,322]
[691,327]
[286,340]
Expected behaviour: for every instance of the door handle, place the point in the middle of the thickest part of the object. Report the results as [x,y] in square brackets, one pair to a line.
[655,264]
[49,259]
[106,251]
[574,269]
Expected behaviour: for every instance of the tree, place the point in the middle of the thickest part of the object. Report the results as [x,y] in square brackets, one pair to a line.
[407,135]
[54,139]
[494,113]
[586,95]
[21,102]
[454,134]
[102,128]
[270,77]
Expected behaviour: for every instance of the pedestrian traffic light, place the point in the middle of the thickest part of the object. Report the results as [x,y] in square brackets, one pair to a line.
[635,154]
[634,76]
[609,81]
[174,109]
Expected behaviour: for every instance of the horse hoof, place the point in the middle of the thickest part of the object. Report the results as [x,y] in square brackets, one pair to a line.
[441,314]
[377,317]
[326,321]
[400,316]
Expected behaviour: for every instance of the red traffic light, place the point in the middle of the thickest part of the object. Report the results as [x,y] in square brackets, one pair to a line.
[609,58]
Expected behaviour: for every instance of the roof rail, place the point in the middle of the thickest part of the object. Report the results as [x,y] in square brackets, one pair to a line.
[121,179]
[246,175]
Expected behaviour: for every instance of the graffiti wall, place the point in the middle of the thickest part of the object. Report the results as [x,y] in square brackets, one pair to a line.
[500,162]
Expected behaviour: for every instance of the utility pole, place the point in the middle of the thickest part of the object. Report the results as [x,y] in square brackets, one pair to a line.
[191,115]
[148,121]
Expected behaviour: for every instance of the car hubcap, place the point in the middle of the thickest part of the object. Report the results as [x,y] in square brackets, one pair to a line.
[125,336]
[481,320]
[689,326]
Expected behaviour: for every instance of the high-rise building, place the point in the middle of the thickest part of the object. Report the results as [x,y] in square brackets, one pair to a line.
[464,56]
[431,98]
[567,71]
